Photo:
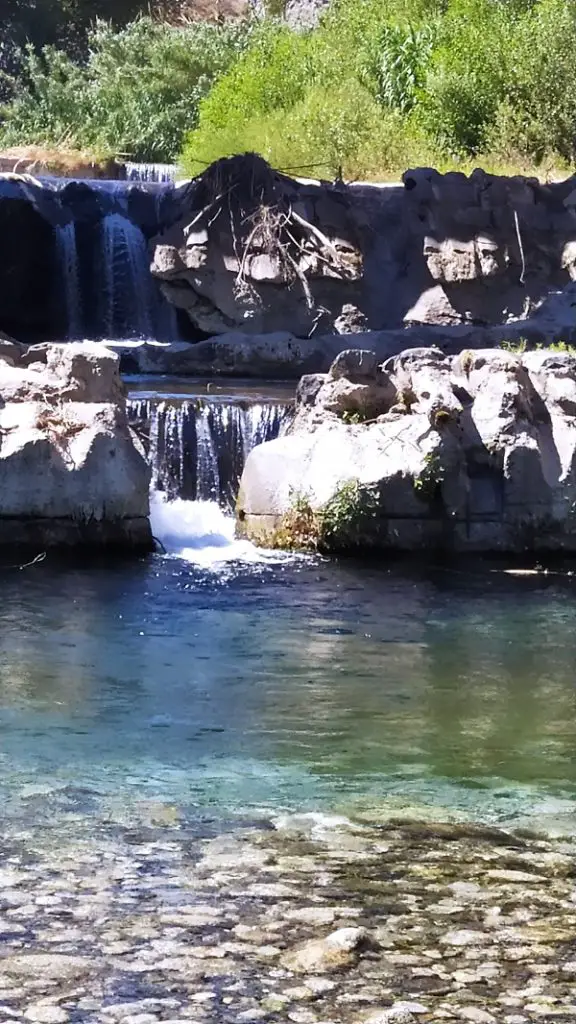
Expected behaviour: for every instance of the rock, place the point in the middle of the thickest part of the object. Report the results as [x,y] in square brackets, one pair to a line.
[474,453]
[358,365]
[229,268]
[338,950]
[44,1013]
[393,1015]
[352,320]
[367,401]
[71,471]
[51,966]
[476,1015]
[308,387]
[463,937]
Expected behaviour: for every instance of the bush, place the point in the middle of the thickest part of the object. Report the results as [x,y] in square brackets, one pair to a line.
[137,94]
[538,114]
[469,74]
[319,101]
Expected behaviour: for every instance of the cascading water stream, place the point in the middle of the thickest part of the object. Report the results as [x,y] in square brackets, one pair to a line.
[127,285]
[104,261]
[68,260]
[197,448]
[151,172]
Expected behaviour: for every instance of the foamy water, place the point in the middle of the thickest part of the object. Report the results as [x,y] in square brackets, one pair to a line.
[200,532]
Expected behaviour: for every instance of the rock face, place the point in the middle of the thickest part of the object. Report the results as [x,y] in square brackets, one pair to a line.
[245,252]
[475,452]
[274,254]
[249,253]
[71,471]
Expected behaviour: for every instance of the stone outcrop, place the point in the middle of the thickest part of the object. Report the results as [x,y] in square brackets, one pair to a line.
[244,252]
[251,253]
[474,452]
[71,470]
[255,252]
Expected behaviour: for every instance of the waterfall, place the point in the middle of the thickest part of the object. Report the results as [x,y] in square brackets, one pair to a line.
[162,173]
[197,447]
[68,261]
[131,302]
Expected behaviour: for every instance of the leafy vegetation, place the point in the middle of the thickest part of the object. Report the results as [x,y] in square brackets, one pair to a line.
[136,94]
[378,86]
[384,84]
[345,522]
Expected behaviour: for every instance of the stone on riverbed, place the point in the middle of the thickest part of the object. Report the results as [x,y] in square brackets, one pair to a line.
[338,950]
[71,470]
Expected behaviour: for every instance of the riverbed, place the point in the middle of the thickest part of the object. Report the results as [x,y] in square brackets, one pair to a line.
[213,756]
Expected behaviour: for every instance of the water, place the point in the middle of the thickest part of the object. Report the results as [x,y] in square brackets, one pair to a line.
[131,303]
[250,685]
[147,172]
[198,446]
[105,278]
[68,258]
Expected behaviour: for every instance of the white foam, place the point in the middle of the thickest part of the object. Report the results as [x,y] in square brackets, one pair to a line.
[200,532]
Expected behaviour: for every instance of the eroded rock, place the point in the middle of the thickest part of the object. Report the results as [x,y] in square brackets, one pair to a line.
[71,471]
[338,950]
[475,453]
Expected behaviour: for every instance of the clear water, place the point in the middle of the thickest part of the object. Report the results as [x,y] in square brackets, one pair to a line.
[225,681]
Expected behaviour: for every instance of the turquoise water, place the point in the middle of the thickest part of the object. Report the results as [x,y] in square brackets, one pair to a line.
[244,688]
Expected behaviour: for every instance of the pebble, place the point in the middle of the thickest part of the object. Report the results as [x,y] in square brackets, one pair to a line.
[41,1013]
[476,1015]
[265,934]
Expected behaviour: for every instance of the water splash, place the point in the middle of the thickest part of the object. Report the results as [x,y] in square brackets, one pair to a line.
[68,261]
[200,532]
[197,448]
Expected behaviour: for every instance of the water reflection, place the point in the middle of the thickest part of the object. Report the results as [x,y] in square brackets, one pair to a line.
[287,686]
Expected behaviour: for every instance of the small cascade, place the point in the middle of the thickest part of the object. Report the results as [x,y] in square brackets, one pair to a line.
[68,260]
[131,302]
[197,448]
[161,173]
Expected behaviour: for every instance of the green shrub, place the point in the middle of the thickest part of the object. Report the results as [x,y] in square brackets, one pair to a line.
[538,114]
[137,94]
[470,70]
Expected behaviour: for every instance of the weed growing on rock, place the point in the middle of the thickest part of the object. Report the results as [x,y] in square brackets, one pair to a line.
[517,347]
[343,523]
[352,418]
[299,529]
[430,477]
[560,346]
[348,517]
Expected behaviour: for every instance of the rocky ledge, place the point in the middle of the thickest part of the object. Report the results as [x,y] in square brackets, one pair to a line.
[71,470]
[474,452]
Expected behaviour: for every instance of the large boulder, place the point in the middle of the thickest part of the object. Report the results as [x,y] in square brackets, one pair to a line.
[71,470]
[475,452]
